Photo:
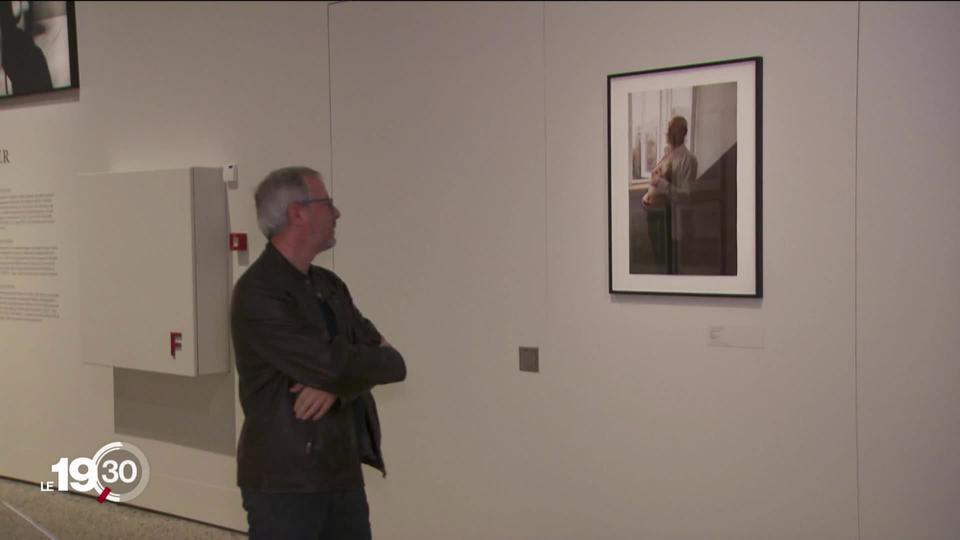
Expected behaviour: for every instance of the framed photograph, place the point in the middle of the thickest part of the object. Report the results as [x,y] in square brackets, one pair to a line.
[684,166]
[39,47]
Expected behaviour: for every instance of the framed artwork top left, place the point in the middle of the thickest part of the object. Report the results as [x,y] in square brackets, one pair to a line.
[38,46]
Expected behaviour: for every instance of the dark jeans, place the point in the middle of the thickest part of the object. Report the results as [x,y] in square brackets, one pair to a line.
[335,515]
[660,227]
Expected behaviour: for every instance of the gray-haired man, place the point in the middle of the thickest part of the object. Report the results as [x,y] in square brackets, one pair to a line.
[306,360]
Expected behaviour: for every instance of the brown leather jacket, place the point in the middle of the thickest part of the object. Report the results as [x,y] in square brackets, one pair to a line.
[281,337]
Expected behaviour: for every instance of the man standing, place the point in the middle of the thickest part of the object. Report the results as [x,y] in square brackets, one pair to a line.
[306,360]
[671,182]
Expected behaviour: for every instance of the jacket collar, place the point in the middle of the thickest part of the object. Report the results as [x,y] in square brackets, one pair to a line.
[302,287]
[278,267]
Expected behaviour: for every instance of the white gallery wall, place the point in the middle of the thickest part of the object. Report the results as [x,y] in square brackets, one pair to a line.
[634,428]
[438,147]
[691,441]
[466,146]
[908,255]
[162,86]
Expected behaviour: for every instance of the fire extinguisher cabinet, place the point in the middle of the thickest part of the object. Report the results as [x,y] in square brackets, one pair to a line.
[154,270]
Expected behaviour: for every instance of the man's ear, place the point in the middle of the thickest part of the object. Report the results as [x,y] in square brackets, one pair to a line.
[294,213]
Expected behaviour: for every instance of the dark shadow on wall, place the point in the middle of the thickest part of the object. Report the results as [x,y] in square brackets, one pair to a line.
[706,223]
[198,412]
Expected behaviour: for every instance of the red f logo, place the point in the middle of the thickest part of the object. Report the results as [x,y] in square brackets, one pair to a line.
[176,343]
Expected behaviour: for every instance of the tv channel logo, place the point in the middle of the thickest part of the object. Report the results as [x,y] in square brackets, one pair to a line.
[117,472]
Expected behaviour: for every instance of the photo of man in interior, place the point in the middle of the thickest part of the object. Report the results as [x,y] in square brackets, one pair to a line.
[683,185]
[34,47]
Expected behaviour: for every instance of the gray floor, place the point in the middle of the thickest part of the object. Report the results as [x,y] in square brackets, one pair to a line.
[26,513]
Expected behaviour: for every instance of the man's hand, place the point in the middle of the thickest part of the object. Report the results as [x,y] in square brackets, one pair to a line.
[656,177]
[312,403]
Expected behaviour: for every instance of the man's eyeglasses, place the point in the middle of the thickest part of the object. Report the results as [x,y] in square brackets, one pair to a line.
[326,200]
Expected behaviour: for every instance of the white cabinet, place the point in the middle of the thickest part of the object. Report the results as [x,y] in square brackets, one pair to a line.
[154,270]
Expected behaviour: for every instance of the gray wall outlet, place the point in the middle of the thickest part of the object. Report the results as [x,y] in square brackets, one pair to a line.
[530,359]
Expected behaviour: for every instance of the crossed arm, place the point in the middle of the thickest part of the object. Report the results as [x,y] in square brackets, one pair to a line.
[269,329]
[313,403]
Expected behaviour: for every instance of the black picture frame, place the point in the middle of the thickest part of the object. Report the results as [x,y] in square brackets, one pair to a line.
[40,48]
[689,223]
